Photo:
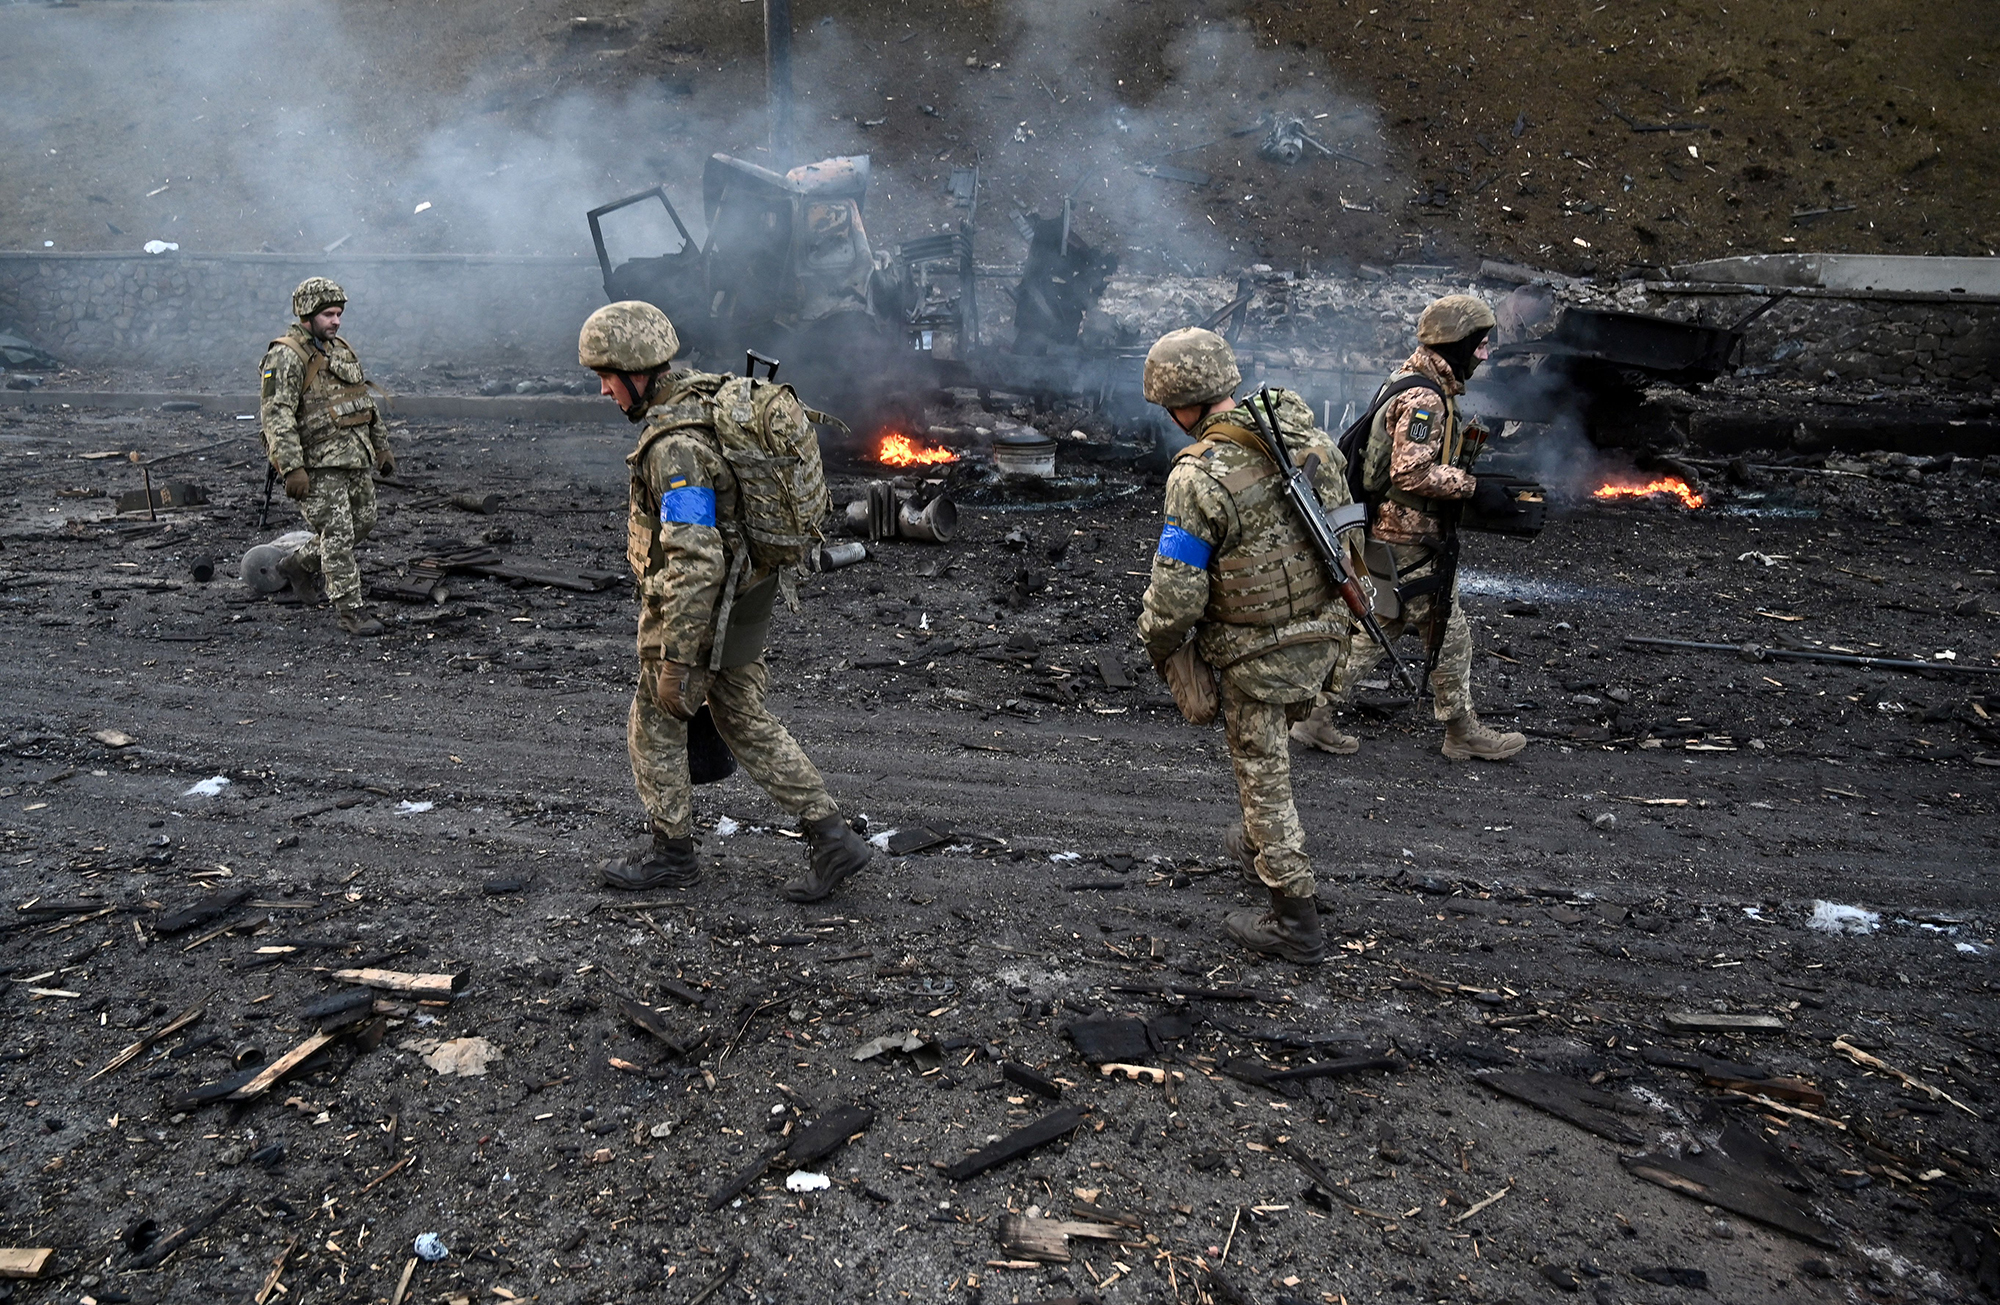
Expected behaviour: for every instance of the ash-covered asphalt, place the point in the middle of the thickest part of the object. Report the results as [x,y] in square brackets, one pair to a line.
[1657,851]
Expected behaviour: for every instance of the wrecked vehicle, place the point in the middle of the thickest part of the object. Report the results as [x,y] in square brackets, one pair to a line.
[786,270]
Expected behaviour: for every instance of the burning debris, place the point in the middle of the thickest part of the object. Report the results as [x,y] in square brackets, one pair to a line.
[896,449]
[1665,485]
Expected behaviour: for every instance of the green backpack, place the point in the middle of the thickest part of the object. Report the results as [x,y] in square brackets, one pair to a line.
[767,438]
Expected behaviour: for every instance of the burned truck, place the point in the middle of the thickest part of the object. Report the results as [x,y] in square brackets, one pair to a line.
[787,270]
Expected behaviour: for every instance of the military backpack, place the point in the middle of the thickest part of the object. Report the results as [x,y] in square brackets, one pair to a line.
[766,435]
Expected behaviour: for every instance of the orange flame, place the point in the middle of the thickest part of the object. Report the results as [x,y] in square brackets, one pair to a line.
[1666,485]
[897,450]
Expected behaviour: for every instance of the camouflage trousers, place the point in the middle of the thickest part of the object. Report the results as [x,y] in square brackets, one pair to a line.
[341,511]
[1451,682]
[657,742]
[1260,749]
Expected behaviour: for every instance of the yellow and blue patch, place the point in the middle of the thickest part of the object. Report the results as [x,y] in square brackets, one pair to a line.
[687,505]
[1182,546]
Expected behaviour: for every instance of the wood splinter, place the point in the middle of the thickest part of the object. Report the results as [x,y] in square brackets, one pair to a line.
[416,985]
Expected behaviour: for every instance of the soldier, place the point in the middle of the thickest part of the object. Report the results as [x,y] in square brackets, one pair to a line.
[1416,462]
[322,433]
[691,553]
[1236,571]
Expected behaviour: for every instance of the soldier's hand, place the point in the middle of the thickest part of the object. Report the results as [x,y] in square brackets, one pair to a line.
[385,464]
[679,688]
[297,484]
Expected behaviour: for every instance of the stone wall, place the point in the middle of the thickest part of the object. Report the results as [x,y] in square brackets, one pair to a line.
[220,310]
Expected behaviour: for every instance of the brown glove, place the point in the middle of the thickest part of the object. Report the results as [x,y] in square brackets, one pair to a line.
[678,688]
[297,483]
[1191,680]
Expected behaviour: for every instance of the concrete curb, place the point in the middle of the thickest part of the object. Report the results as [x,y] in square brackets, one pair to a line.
[558,408]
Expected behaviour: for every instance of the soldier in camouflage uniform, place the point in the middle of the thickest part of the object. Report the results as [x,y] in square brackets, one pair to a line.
[1416,459]
[1236,571]
[322,434]
[685,541]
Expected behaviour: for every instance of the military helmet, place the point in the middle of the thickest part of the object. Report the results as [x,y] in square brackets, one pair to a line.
[1453,318]
[1190,366]
[315,293]
[629,336]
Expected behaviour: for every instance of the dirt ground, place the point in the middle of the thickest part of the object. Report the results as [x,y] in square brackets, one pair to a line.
[1655,855]
[1577,136]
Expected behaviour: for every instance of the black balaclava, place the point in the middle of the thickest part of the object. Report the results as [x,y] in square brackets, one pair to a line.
[1459,354]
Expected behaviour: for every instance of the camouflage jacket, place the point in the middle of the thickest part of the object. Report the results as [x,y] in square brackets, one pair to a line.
[1417,435]
[684,533]
[315,407]
[1235,565]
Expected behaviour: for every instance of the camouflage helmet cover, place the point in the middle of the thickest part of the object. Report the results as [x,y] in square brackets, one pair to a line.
[315,293]
[1190,366]
[1453,318]
[628,336]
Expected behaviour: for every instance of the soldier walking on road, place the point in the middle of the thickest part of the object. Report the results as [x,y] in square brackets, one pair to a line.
[1238,589]
[322,435]
[1415,474]
[726,497]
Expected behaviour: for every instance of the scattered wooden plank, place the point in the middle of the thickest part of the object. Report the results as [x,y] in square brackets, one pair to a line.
[720,1280]
[186,1019]
[415,985]
[1785,1089]
[211,907]
[823,1134]
[269,1076]
[1587,1108]
[1040,1084]
[1055,1124]
[1046,1241]
[277,1271]
[1253,1071]
[1867,1061]
[583,582]
[1715,1179]
[1694,1021]
[1111,668]
[156,1254]
[813,1141]
[24,1262]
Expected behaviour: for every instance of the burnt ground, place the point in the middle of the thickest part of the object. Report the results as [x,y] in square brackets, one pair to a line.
[1657,850]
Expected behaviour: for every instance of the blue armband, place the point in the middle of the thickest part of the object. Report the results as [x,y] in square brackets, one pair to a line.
[1184,547]
[688,505]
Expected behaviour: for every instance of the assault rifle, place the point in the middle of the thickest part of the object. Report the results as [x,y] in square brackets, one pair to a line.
[1324,533]
[270,480]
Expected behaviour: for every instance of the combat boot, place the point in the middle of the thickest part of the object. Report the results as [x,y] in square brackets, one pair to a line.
[1317,731]
[666,863]
[1236,846]
[1465,739]
[836,852]
[356,621]
[1289,929]
[304,580]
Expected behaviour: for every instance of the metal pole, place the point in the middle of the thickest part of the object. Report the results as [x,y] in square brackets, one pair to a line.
[778,78]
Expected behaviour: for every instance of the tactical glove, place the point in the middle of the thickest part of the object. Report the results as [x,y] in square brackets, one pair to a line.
[297,484]
[385,463]
[678,688]
[1491,497]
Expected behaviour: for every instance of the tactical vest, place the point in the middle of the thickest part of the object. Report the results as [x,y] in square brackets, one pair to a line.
[1273,588]
[1381,444]
[326,402]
